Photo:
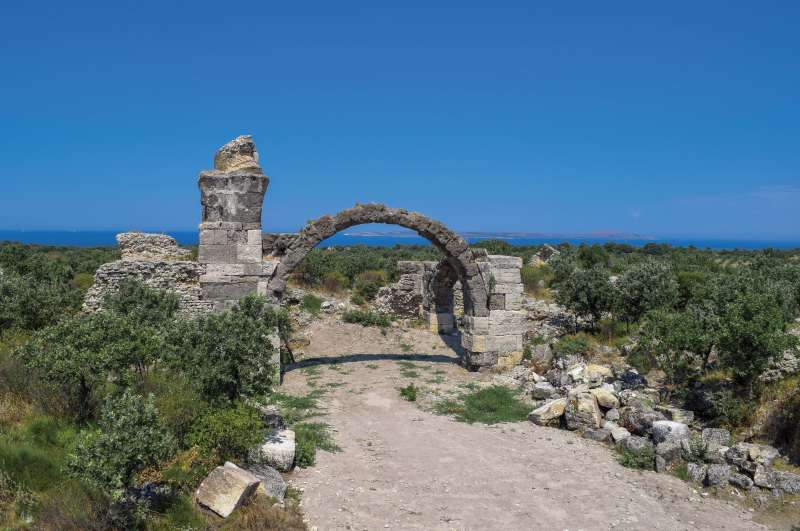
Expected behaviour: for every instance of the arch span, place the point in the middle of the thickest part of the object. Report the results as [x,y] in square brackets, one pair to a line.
[456,251]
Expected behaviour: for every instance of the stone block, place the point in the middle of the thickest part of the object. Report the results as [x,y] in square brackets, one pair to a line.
[223,225]
[277,450]
[504,344]
[513,301]
[497,301]
[268,267]
[476,325]
[474,342]
[506,322]
[499,261]
[253,269]
[213,237]
[225,489]
[548,413]
[480,360]
[224,270]
[254,237]
[248,253]
[216,254]
[507,276]
[508,287]
[228,290]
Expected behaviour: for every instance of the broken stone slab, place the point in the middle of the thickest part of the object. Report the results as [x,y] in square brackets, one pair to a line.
[639,420]
[669,430]
[612,414]
[741,481]
[764,477]
[549,412]
[788,482]
[600,435]
[140,246]
[271,482]
[718,475]
[226,488]
[277,450]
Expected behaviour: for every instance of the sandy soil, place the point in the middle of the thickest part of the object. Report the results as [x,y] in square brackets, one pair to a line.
[401,467]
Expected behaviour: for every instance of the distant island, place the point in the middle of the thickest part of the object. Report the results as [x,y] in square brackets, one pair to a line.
[604,235]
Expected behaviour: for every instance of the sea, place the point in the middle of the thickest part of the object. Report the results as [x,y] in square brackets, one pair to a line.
[81,238]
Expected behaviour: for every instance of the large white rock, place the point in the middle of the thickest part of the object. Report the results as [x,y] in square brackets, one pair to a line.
[605,398]
[549,412]
[226,488]
[277,450]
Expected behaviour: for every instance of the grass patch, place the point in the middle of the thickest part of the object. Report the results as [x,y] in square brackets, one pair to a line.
[409,392]
[405,347]
[367,318]
[488,406]
[371,366]
[408,369]
[681,472]
[312,304]
[261,514]
[641,459]
[296,409]
[310,437]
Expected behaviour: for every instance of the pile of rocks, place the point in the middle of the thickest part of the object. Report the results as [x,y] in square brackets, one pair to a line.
[615,405]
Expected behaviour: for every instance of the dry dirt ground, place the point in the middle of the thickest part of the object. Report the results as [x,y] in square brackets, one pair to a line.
[402,467]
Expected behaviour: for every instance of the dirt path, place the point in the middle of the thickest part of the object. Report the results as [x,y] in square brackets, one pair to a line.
[404,468]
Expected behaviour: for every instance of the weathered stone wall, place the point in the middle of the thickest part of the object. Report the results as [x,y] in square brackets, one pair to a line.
[179,277]
[429,290]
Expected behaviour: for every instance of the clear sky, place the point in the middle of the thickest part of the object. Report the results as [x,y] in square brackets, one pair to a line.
[662,118]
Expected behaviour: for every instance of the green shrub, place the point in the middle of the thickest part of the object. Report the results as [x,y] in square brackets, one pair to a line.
[228,355]
[178,402]
[587,293]
[536,278]
[644,287]
[229,432]
[311,303]
[697,451]
[334,282]
[367,318]
[409,392]
[573,345]
[643,459]
[368,283]
[681,472]
[527,353]
[128,439]
[357,299]
[143,304]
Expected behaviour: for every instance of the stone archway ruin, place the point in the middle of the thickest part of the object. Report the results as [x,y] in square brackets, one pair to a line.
[235,258]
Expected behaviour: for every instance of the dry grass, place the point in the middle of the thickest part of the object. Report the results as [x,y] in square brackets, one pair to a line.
[261,515]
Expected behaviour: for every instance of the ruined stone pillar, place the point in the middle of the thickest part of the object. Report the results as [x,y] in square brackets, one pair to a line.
[496,340]
[232,195]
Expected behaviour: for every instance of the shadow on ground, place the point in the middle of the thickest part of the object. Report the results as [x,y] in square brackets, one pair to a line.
[356,358]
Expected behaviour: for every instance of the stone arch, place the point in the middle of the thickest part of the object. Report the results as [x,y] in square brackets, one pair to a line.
[457,252]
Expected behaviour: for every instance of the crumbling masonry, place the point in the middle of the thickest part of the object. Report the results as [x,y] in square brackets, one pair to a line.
[236,258]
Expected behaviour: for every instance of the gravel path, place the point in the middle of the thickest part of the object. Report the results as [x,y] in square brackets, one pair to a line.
[404,468]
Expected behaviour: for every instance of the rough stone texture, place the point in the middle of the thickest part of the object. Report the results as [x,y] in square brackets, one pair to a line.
[271,482]
[140,246]
[405,297]
[582,412]
[718,436]
[670,451]
[669,430]
[549,412]
[741,481]
[718,475]
[697,472]
[226,488]
[596,375]
[788,482]
[238,154]
[542,390]
[635,443]
[678,415]
[639,420]
[605,398]
[277,451]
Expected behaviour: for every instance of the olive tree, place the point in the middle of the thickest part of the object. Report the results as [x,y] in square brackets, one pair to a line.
[643,287]
[587,293]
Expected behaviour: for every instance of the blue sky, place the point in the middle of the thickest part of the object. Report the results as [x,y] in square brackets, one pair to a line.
[663,118]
